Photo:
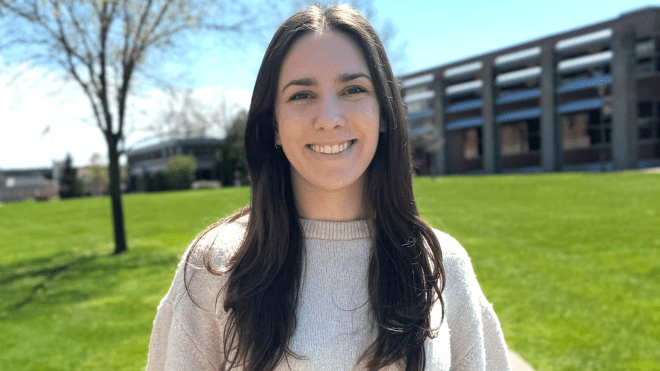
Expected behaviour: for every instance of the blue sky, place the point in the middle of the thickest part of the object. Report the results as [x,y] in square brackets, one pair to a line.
[435,32]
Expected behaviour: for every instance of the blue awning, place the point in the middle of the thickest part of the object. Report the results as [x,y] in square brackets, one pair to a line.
[519,114]
[519,95]
[419,130]
[580,105]
[585,83]
[465,123]
[420,114]
[464,106]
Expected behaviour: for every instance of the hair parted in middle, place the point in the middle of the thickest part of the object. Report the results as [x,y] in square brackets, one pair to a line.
[405,275]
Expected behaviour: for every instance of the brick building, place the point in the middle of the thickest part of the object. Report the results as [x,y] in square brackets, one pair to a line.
[586,99]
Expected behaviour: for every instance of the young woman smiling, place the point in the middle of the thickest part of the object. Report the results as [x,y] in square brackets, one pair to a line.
[330,267]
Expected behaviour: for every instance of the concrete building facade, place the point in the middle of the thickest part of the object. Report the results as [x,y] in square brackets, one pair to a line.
[583,100]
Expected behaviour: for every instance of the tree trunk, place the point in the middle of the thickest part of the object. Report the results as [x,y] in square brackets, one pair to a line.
[115,195]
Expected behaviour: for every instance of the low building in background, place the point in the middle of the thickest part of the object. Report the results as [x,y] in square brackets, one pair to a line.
[583,100]
[151,159]
[23,184]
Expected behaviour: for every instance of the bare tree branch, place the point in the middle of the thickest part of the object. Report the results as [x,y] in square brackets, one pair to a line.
[103,44]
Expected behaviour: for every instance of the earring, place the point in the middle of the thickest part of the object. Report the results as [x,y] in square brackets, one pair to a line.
[276,146]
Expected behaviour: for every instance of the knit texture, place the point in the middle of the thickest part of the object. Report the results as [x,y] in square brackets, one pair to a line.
[334,320]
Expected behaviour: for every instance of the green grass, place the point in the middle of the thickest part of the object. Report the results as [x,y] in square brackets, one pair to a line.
[571,263]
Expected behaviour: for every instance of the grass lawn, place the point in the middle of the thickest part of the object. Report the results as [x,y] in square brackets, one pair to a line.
[571,263]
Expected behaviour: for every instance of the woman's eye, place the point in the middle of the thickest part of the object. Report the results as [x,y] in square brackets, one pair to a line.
[300,96]
[355,90]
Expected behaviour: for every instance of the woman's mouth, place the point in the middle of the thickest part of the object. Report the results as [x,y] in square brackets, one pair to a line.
[331,149]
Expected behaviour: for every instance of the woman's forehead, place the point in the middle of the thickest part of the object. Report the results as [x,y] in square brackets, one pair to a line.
[323,55]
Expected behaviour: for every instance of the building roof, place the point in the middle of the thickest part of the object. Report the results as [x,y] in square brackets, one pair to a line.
[174,142]
[640,19]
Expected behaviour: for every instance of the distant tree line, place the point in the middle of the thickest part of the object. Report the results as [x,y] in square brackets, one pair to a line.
[228,167]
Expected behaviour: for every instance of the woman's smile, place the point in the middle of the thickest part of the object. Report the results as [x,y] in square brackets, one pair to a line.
[331,149]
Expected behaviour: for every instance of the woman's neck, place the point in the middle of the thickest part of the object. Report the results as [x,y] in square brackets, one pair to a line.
[345,204]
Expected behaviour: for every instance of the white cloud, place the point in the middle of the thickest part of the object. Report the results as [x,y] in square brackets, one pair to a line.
[37,99]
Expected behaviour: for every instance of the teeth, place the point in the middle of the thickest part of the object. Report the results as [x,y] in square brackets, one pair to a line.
[337,148]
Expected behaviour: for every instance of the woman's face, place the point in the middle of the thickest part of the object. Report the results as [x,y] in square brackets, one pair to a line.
[327,112]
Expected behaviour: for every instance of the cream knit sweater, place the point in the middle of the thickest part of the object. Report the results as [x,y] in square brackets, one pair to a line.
[333,312]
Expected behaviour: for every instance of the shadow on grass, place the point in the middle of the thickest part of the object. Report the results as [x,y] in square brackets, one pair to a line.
[48,273]
[41,284]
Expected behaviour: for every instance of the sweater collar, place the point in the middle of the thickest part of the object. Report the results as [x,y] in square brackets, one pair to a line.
[333,230]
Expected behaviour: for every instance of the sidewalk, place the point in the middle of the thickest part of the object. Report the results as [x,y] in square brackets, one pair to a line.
[517,363]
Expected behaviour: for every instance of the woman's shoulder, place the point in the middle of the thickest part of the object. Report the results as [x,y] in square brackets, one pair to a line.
[452,250]
[461,278]
[218,242]
[461,285]
[216,245]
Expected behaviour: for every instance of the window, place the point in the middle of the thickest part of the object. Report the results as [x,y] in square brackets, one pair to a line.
[520,137]
[646,130]
[472,143]
[644,109]
[514,138]
[586,129]
[649,122]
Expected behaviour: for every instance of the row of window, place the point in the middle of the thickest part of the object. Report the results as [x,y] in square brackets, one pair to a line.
[579,130]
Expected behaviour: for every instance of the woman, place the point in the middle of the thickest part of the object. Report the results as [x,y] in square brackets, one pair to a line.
[331,266]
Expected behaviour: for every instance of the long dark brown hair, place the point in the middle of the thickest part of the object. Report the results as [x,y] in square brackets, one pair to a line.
[406,274]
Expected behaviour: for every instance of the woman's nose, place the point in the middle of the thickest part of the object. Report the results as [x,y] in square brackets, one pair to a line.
[330,114]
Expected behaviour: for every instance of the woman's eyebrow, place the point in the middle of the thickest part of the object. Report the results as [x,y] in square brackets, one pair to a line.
[346,77]
[310,81]
[305,81]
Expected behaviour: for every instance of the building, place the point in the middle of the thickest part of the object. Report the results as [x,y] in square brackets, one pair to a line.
[22,184]
[586,99]
[154,158]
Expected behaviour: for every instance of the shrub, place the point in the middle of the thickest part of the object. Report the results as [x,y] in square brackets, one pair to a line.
[156,182]
[180,172]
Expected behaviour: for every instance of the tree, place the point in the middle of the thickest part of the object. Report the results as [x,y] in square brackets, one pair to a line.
[70,185]
[186,116]
[96,178]
[103,44]
[229,161]
[180,171]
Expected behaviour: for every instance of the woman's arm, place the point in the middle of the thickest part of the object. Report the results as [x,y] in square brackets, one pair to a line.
[187,336]
[187,332]
[477,342]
